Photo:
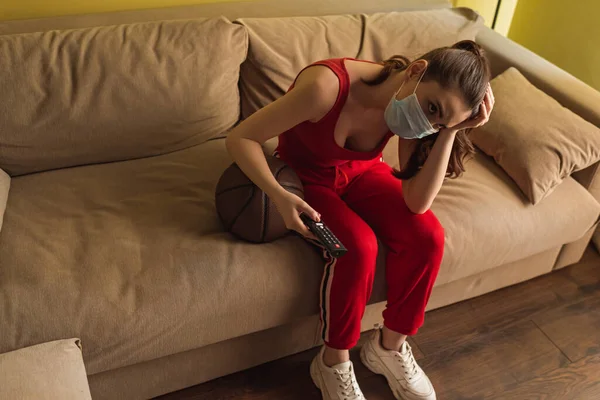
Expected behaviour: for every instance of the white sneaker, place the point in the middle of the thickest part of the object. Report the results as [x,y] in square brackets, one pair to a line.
[337,382]
[406,379]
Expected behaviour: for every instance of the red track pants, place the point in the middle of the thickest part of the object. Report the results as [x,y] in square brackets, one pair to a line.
[371,205]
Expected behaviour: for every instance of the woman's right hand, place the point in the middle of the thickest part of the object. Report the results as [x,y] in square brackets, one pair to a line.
[315,93]
[290,207]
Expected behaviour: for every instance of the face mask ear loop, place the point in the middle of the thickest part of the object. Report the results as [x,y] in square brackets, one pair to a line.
[419,81]
[398,91]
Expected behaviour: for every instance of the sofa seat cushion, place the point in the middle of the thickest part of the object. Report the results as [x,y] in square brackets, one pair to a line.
[489,222]
[131,258]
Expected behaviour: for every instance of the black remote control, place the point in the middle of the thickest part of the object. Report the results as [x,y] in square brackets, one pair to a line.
[326,237]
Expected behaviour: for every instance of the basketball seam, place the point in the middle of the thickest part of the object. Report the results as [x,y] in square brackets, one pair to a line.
[265,217]
[265,209]
[242,209]
[301,189]
[245,185]
[280,171]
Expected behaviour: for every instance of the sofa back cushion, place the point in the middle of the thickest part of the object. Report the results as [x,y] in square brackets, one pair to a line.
[414,33]
[280,47]
[117,92]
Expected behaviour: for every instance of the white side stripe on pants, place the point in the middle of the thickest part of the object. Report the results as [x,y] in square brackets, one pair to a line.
[325,292]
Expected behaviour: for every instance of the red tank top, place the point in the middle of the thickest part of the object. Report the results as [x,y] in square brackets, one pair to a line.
[310,148]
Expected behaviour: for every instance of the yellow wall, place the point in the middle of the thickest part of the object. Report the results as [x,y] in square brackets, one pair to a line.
[19,9]
[505,16]
[565,33]
[487,9]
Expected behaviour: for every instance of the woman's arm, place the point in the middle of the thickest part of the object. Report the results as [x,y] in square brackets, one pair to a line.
[420,191]
[313,96]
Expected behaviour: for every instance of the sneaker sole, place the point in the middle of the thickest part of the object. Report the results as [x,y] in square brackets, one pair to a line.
[375,367]
[316,378]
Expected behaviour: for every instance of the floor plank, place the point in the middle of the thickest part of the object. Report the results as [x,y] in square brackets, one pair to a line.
[460,323]
[574,328]
[452,325]
[288,378]
[586,276]
[578,381]
[536,340]
[492,361]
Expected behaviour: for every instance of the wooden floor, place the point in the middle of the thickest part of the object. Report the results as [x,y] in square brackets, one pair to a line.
[536,340]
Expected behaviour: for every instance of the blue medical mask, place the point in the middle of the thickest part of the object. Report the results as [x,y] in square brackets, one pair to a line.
[406,118]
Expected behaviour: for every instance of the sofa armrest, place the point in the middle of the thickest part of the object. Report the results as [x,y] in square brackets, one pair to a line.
[569,91]
[53,370]
[4,187]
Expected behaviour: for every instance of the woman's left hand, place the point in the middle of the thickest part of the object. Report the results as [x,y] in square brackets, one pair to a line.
[484,113]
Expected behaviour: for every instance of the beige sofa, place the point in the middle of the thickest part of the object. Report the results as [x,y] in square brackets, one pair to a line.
[111,129]
[47,371]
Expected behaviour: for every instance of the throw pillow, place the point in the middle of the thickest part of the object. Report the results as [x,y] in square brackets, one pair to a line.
[533,138]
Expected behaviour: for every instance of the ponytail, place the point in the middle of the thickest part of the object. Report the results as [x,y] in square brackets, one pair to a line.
[470,46]
[396,63]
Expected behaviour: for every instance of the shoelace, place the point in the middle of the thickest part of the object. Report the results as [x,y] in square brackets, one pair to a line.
[349,385]
[409,359]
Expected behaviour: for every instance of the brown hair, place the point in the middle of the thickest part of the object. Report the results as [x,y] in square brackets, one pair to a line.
[462,66]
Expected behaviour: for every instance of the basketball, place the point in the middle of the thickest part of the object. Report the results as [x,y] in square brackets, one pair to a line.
[246,211]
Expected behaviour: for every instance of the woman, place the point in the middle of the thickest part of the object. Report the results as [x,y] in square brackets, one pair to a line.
[333,125]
